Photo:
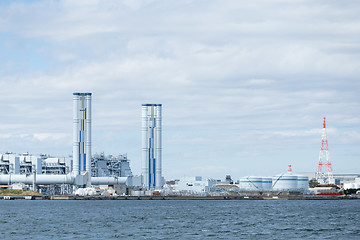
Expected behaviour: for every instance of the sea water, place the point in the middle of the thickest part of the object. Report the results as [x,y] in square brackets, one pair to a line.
[180,219]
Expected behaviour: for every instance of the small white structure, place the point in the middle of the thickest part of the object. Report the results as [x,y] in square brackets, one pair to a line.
[352,185]
[19,186]
[91,191]
[190,185]
[324,191]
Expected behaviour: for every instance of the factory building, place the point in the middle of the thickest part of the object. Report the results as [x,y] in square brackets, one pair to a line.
[56,165]
[53,175]
[34,171]
[151,146]
[25,163]
[9,163]
[110,166]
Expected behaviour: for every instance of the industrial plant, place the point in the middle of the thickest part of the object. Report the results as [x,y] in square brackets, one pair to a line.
[85,173]
[65,175]
[250,185]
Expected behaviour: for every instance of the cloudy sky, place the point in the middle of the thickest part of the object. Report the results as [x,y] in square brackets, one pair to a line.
[244,84]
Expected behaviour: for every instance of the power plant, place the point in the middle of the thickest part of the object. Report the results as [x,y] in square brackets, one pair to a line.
[80,172]
[84,170]
[42,171]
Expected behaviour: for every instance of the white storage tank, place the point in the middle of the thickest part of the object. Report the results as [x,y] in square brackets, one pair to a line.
[285,182]
[302,182]
[250,183]
[266,183]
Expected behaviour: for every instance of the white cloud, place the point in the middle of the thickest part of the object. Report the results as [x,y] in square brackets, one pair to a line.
[236,79]
[51,136]
[302,133]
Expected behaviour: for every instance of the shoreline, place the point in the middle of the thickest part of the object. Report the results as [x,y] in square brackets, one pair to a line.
[157,198]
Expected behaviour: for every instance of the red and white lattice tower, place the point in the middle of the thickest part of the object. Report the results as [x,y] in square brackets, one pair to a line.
[324,177]
[289,169]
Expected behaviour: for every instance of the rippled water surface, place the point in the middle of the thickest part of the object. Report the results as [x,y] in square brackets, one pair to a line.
[176,219]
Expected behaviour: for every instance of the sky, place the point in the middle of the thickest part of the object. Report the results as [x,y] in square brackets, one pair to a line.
[244,84]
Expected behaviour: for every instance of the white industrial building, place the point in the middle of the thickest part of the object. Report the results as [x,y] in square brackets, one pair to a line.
[108,165]
[189,186]
[352,185]
[56,165]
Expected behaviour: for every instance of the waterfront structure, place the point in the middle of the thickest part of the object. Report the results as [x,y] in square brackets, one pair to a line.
[322,177]
[82,135]
[151,146]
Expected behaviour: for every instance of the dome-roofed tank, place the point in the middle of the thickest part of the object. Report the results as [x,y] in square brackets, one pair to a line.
[302,182]
[250,183]
[285,182]
[266,183]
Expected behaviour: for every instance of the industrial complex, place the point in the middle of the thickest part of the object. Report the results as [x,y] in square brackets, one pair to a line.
[85,173]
